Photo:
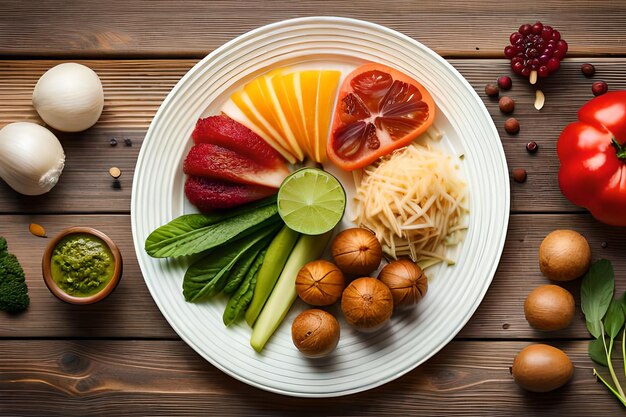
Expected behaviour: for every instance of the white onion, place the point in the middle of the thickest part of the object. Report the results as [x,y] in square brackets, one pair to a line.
[31,158]
[69,97]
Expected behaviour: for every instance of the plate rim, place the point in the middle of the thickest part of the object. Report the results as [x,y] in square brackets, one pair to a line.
[138,244]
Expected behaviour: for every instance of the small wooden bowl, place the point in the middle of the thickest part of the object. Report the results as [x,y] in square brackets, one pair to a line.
[62,295]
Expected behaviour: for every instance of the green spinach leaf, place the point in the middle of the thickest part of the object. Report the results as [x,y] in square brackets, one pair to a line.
[596,352]
[195,233]
[614,319]
[239,301]
[241,268]
[207,276]
[596,293]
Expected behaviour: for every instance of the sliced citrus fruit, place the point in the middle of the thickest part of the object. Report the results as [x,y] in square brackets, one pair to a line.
[326,94]
[290,110]
[311,201]
[379,109]
[239,108]
[287,88]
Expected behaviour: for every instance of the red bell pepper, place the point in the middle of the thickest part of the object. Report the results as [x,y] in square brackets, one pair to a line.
[592,152]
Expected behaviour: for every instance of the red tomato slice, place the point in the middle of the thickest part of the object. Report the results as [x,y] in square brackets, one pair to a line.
[379,109]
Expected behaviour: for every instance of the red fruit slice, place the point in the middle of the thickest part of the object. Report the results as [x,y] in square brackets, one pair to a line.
[213,161]
[227,133]
[379,109]
[209,194]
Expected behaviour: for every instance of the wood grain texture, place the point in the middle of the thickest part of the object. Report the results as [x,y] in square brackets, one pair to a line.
[134,90]
[130,312]
[119,28]
[131,378]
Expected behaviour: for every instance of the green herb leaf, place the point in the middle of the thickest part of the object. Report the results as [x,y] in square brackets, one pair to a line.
[614,319]
[240,300]
[195,233]
[241,268]
[208,276]
[596,293]
[622,301]
[596,352]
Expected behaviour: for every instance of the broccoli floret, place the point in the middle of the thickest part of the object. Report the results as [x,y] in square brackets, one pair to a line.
[13,290]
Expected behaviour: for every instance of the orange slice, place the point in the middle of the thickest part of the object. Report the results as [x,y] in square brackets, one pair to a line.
[290,110]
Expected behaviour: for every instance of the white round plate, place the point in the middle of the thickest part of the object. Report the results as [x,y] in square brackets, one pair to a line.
[361,361]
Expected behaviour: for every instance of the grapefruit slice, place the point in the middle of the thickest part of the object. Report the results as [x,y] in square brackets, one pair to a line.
[378,110]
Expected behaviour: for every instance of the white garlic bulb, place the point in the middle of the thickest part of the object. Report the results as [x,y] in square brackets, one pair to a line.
[31,158]
[69,97]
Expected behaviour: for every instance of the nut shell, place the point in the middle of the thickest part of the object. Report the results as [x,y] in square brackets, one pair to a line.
[492,90]
[588,70]
[511,126]
[549,307]
[506,104]
[564,255]
[542,368]
[320,283]
[315,333]
[356,251]
[406,280]
[367,304]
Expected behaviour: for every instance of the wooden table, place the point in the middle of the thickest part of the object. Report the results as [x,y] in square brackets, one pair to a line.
[121,357]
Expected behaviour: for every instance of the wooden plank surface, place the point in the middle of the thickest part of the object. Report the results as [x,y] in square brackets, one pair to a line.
[193,28]
[121,357]
[134,90]
[131,378]
[130,312]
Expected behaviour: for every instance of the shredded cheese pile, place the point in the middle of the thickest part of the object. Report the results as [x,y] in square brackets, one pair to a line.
[415,202]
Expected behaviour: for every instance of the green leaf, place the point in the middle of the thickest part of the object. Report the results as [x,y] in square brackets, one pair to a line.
[240,300]
[241,268]
[622,301]
[208,276]
[614,319]
[596,352]
[194,233]
[596,293]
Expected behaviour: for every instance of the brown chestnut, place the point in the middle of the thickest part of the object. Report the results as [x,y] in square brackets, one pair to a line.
[564,255]
[406,280]
[367,304]
[542,368]
[549,307]
[319,283]
[315,333]
[356,251]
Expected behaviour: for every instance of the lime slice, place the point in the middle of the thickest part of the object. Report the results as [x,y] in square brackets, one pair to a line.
[311,201]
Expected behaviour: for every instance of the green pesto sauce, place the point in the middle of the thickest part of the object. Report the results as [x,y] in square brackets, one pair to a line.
[82,264]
